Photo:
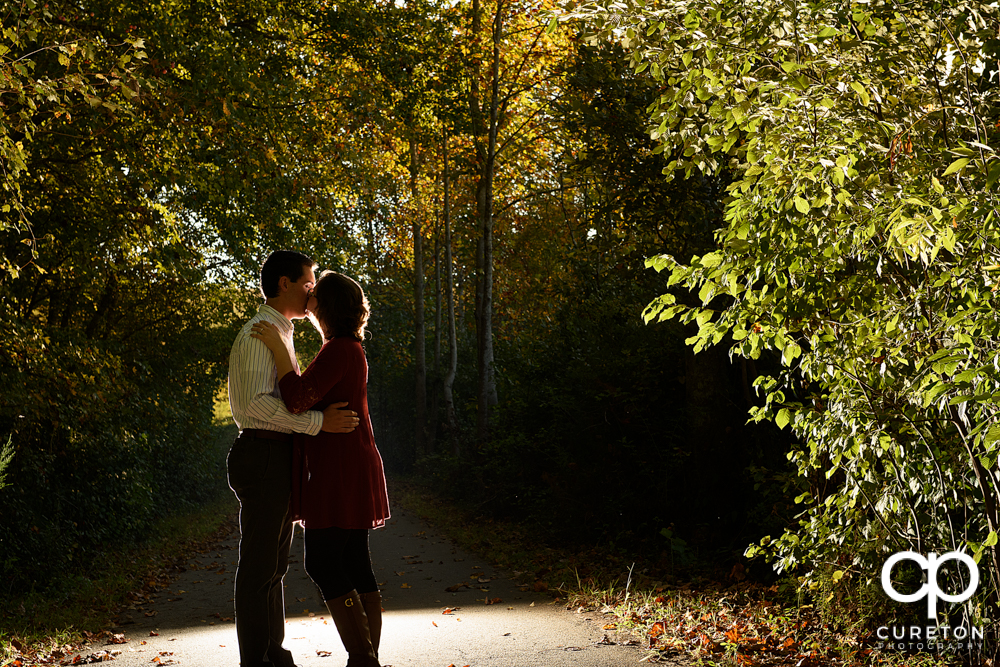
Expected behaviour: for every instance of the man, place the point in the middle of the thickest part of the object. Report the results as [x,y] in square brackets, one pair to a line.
[260,461]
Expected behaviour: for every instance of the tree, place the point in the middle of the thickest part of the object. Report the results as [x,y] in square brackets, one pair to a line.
[861,243]
[53,68]
[516,50]
[140,191]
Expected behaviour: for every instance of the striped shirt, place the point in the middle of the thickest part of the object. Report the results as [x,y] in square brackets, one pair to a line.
[254,397]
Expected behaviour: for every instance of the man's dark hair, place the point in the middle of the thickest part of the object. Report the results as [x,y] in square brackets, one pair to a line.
[282,263]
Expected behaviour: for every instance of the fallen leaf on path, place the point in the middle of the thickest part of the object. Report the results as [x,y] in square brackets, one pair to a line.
[406,586]
[154,633]
[493,601]
[448,610]
[118,639]
[434,623]
[323,654]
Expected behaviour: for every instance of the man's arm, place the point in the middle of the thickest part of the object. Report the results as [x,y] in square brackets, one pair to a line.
[256,370]
[335,420]
[251,381]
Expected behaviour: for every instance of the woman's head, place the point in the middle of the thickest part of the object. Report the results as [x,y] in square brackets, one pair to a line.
[339,306]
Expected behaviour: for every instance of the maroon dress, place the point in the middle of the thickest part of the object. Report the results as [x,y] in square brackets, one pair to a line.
[337,478]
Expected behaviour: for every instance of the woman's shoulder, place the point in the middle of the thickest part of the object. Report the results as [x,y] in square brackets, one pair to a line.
[341,345]
[343,341]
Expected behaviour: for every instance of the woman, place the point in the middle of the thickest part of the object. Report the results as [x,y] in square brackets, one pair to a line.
[338,486]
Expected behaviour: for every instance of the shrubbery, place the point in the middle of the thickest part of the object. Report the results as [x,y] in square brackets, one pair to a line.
[106,440]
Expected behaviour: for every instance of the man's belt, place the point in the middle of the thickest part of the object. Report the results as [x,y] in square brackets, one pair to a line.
[263,434]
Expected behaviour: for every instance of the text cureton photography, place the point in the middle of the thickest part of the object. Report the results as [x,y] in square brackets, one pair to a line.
[932,636]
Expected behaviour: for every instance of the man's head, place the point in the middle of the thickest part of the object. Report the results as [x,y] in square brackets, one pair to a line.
[285,281]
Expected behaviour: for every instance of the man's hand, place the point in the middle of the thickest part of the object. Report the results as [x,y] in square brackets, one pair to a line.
[336,420]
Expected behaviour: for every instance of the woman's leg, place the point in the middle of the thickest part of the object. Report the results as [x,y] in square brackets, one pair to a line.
[359,566]
[327,562]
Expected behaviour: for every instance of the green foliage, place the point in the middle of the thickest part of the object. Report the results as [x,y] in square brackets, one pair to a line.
[861,244]
[6,456]
[109,437]
[139,192]
[50,71]
[598,413]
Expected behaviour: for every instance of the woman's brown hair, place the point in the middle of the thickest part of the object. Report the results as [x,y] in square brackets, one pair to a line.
[341,306]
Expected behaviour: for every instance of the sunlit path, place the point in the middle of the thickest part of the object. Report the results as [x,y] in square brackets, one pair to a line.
[425,625]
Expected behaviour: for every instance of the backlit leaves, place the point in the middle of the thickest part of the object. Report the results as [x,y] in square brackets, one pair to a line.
[861,243]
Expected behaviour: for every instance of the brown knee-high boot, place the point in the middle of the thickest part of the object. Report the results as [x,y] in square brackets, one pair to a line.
[352,623]
[372,603]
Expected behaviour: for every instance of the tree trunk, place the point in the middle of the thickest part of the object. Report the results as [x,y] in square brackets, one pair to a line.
[449,376]
[432,422]
[486,159]
[420,390]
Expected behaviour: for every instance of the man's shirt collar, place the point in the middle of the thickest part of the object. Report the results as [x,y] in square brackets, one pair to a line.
[283,323]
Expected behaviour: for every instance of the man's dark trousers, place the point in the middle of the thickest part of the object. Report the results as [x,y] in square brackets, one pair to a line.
[260,476]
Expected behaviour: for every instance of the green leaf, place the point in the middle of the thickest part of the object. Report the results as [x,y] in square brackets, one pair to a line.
[957,165]
[994,173]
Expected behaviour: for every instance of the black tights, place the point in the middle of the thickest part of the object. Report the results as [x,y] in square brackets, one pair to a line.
[338,561]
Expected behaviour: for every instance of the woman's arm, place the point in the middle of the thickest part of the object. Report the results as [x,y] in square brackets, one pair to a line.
[267,333]
[302,392]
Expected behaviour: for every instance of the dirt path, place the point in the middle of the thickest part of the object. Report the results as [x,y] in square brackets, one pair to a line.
[425,624]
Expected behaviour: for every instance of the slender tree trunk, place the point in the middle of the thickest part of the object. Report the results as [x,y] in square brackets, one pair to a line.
[432,422]
[420,391]
[486,159]
[449,376]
